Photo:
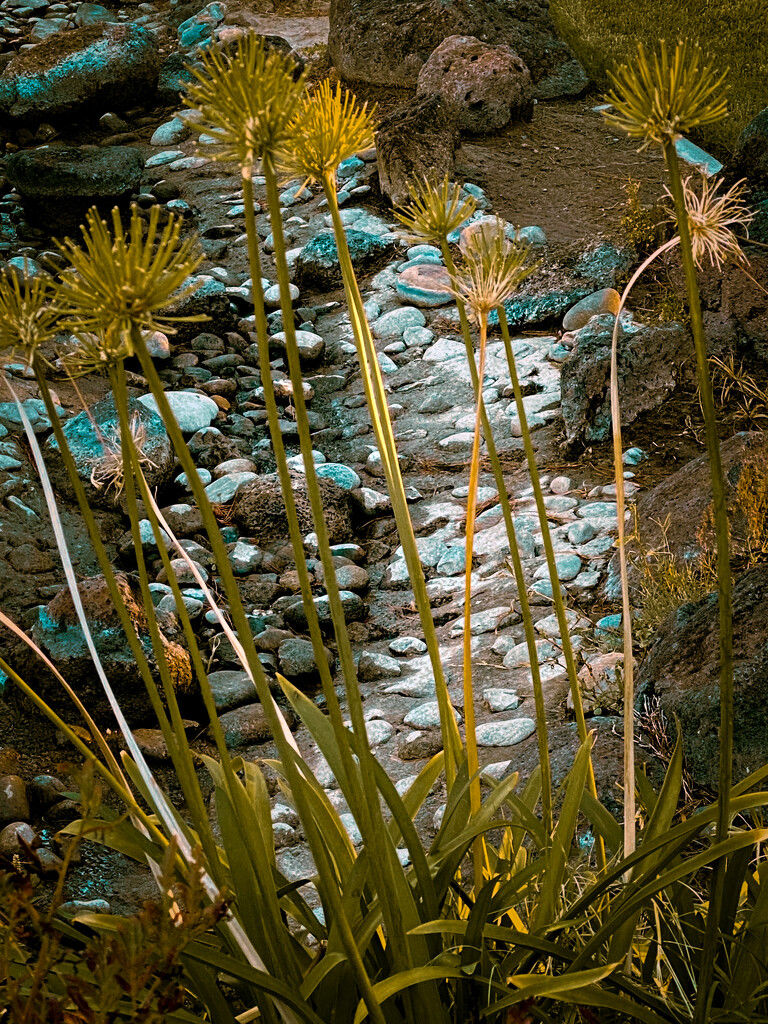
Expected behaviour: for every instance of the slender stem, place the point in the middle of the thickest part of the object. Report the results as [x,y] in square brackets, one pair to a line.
[557,595]
[377,405]
[346,657]
[369,814]
[724,586]
[278,446]
[542,732]
[618,466]
[473,761]
[173,732]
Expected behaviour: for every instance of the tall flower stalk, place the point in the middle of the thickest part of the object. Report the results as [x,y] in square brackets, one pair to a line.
[262,137]
[492,271]
[330,127]
[434,213]
[712,216]
[549,552]
[657,101]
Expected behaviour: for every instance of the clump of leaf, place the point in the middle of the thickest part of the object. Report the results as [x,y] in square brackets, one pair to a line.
[667,582]
[128,973]
[638,223]
[736,387]
[747,516]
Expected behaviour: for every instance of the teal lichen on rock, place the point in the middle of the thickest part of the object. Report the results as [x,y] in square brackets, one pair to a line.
[317,265]
[93,431]
[104,65]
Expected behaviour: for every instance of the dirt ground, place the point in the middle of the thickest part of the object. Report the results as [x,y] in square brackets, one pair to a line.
[564,171]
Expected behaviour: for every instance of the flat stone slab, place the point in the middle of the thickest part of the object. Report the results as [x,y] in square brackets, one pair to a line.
[426,284]
[505,734]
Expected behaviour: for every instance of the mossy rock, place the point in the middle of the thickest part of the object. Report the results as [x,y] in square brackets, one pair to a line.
[259,509]
[317,265]
[104,67]
[86,436]
[58,185]
[59,635]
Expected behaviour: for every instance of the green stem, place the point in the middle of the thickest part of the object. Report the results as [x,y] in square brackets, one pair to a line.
[377,405]
[724,586]
[351,785]
[235,936]
[278,446]
[173,732]
[557,594]
[473,760]
[371,821]
[618,467]
[137,651]
[355,794]
[542,732]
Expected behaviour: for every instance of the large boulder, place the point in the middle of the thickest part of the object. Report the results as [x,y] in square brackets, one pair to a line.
[100,67]
[206,308]
[651,362]
[735,305]
[58,184]
[564,276]
[259,509]
[58,634]
[751,153]
[93,437]
[370,44]
[486,86]
[682,672]
[317,265]
[413,143]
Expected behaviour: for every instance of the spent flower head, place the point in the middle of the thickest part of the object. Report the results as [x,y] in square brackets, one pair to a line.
[246,97]
[108,469]
[660,99]
[120,282]
[435,211]
[711,219]
[493,269]
[29,314]
[329,127]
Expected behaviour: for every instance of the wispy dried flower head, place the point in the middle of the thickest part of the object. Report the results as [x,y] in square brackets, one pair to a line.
[711,218]
[435,211]
[493,269]
[329,126]
[108,471]
[121,282]
[658,100]
[246,97]
[94,352]
[29,315]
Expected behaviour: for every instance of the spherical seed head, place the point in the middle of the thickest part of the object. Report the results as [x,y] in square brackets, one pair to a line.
[493,269]
[122,281]
[329,127]
[435,211]
[659,100]
[711,218]
[29,314]
[245,97]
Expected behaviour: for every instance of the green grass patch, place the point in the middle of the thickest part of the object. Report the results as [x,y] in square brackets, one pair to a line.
[731,32]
